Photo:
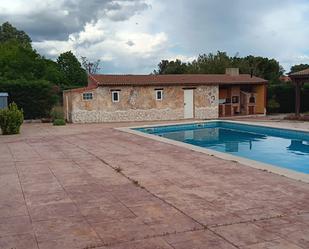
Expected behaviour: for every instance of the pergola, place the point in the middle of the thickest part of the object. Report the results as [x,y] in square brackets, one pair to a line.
[298,79]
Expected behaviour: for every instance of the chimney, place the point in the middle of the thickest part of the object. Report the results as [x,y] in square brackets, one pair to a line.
[232,71]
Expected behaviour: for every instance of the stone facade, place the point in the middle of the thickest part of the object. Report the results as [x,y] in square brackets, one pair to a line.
[139,104]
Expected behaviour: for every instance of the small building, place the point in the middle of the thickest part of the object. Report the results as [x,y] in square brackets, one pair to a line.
[3,100]
[285,79]
[113,98]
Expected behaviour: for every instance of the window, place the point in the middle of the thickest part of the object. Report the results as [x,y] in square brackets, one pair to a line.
[115,96]
[235,99]
[221,101]
[87,96]
[252,99]
[159,94]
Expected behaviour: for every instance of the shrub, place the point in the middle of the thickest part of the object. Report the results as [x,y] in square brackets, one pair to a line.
[57,113]
[305,118]
[300,118]
[59,121]
[292,117]
[11,119]
[273,105]
[284,94]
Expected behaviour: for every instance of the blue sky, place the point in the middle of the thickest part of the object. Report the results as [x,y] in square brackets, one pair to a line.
[132,36]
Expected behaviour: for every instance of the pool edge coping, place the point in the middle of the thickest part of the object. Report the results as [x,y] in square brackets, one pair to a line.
[221,155]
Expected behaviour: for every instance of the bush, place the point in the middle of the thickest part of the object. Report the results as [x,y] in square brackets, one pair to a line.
[11,119]
[273,105]
[284,95]
[59,122]
[299,118]
[57,113]
[36,98]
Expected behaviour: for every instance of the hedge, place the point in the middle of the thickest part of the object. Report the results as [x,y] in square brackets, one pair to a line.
[36,98]
[284,94]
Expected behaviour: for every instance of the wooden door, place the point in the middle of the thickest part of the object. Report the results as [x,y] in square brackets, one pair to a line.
[188,103]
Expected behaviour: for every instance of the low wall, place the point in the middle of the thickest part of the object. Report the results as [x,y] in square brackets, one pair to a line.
[82,116]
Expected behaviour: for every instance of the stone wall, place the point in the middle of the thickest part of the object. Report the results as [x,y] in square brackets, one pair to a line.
[140,104]
[206,102]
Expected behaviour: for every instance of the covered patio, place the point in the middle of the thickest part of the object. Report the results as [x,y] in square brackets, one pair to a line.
[242,100]
[299,79]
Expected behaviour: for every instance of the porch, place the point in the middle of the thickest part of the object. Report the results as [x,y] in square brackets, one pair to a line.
[236,100]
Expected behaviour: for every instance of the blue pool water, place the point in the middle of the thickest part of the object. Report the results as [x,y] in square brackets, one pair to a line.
[280,147]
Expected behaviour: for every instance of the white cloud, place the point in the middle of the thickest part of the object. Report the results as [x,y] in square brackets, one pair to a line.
[106,41]
[92,33]
[132,36]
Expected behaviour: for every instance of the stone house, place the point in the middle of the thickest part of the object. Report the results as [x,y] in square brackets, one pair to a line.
[113,98]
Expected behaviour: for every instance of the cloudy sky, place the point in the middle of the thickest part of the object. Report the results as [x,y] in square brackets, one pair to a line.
[132,36]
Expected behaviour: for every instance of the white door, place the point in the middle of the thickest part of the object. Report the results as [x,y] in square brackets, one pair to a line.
[188,103]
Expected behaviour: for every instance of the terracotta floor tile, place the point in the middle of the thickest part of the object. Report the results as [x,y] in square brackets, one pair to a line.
[68,228]
[155,243]
[41,188]
[15,226]
[7,170]
[75,196]
[89,193]
[275,244]
[197,240]
[10,207]
[105,212]
[24,241]
[69,243]
[123,231]
[245,234]
[44,199]
[53,211]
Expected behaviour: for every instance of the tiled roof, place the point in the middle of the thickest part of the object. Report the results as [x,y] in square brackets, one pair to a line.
[173,79]
[81,89]
[301,73]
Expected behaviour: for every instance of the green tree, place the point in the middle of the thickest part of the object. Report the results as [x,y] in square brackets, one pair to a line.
[36,97]
[299,67]
[211,63]
[10,33]
[19,62]
[71,70]
[269,69]
[171,67]
[51,72]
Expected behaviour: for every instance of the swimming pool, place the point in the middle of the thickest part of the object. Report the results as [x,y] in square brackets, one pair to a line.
[283,148]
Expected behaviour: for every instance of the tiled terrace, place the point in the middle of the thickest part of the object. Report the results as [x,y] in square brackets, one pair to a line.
[59,188]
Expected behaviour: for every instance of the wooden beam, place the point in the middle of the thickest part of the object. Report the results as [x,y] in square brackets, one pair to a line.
[297,98]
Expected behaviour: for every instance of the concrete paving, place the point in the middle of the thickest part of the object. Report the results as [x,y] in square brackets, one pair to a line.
[91,186]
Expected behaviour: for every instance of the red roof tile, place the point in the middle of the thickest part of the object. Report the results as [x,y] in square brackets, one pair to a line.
[301,73]
[173,79]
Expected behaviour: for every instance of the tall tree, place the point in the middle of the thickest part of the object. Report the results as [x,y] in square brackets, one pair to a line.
[18,62]
[269,69]
[171,67]
[10,33]
[299,67]
[72,72]
[211,63]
